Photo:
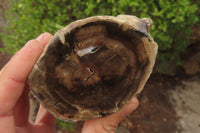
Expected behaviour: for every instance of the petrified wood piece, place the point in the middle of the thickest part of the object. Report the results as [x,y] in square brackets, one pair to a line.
[94,66]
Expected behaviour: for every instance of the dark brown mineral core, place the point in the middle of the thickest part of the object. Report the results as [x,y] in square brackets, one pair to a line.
[94,66]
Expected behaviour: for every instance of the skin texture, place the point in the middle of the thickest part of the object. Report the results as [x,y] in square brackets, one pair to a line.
[14,100]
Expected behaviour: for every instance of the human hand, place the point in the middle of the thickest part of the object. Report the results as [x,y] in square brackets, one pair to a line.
[14,101]
[110,123]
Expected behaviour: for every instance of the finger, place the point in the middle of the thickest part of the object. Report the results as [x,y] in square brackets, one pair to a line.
[12,81]
[7,124]
[22,59]
[109,123]
[44,122]
[21,111]
[44,38]
[133,104]
[15,72]
[22,106]
[44,117]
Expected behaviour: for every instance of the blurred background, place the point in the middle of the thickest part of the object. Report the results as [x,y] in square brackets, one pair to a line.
[170,102]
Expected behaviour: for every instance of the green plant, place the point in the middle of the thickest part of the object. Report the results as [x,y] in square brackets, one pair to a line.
[171,27]
[65,125]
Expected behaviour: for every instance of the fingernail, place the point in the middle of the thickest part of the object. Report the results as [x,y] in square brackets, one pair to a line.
[134,100]
[39,38]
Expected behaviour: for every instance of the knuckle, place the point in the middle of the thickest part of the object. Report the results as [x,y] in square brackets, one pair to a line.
[110,128]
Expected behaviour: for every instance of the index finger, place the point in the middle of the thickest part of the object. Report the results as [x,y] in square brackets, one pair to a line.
[21,64]
[14,74]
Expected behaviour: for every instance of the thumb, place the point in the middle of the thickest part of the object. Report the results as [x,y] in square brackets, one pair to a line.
[109,123]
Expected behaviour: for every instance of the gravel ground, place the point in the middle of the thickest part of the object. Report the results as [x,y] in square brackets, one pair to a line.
[186,101]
